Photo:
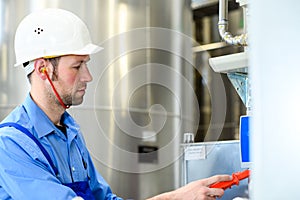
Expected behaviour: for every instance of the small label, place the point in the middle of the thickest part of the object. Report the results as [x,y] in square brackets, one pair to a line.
[148,154]
[195,153]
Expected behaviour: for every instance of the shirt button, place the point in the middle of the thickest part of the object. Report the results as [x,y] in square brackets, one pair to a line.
[73,169]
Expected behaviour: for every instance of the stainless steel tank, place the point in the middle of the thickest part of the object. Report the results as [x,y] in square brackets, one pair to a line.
[141,100]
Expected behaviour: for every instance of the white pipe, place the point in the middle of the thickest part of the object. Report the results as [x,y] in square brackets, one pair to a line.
[223,26]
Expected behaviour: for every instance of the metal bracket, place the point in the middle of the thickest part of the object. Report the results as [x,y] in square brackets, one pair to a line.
[240,82]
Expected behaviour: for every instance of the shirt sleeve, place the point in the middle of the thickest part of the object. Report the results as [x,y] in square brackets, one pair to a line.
[23,174]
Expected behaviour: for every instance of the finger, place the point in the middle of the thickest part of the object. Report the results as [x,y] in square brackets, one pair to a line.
[215,192]
[205,197]
[209,192]
[217,178]
[210,198]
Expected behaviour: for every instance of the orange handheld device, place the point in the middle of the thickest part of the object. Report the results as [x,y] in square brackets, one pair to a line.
[236,177]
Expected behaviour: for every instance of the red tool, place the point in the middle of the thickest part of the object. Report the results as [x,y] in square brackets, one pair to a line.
[236,177]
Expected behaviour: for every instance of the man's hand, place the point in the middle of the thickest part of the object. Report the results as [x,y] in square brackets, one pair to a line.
[197,190]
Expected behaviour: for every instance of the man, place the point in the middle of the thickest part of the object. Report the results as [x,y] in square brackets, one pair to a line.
[42,151]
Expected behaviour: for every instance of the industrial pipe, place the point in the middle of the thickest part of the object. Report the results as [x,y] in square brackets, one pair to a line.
[223,26]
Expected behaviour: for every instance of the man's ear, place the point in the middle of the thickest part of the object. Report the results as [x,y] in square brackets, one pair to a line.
[40,66]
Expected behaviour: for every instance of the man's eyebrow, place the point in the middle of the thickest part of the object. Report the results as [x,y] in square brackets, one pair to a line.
[81,61]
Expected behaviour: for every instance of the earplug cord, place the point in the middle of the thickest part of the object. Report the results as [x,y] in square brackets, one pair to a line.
[54,90]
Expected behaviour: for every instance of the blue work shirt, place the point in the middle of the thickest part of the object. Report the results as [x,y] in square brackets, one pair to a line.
[25,173]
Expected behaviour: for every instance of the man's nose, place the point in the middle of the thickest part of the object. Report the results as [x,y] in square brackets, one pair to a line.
[86,75]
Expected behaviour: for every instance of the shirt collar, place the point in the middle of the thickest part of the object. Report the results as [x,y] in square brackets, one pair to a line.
[40,121]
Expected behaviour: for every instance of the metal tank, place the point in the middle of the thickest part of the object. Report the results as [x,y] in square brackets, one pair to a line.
[141,100]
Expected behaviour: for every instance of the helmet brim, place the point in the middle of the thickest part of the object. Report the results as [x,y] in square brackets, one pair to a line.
[86,50]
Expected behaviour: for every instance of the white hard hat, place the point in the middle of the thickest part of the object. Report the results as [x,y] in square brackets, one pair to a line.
[52,32]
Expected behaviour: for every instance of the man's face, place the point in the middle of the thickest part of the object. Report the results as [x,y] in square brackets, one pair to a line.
[72,76]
